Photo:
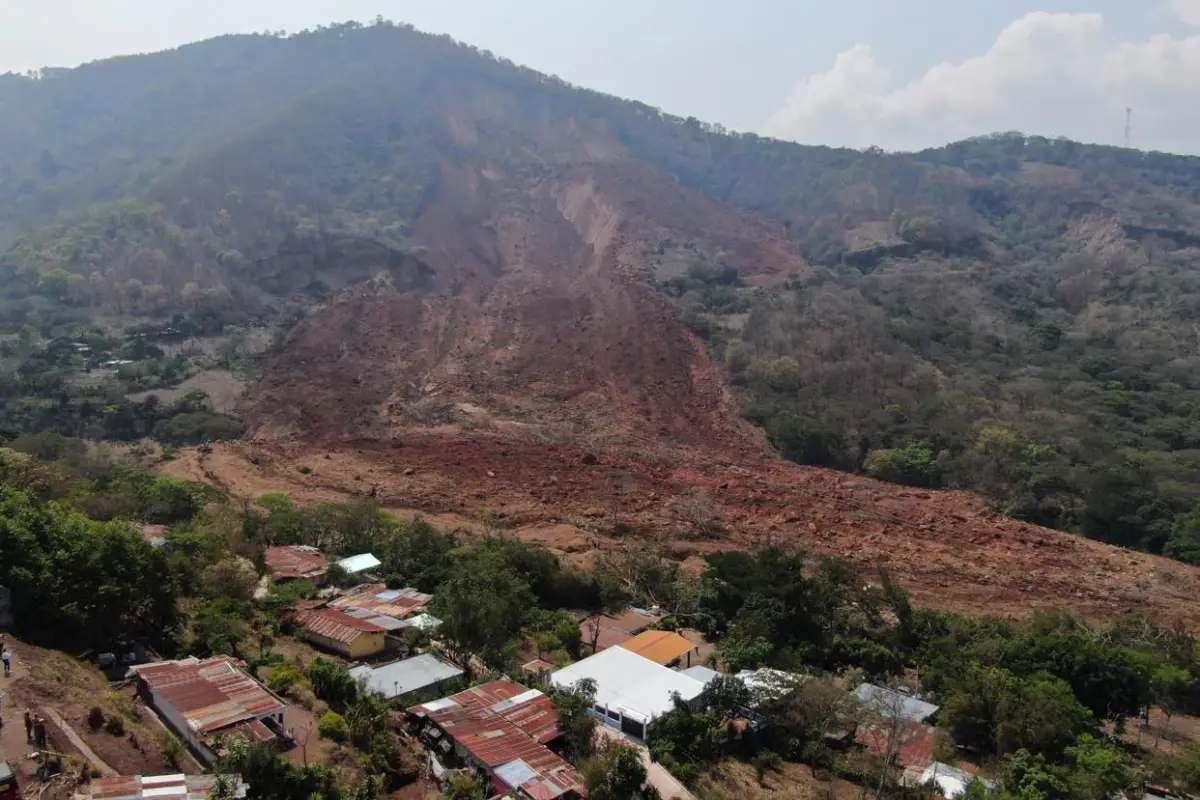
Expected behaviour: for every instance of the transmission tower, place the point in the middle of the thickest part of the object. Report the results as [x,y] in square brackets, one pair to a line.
[1128,124]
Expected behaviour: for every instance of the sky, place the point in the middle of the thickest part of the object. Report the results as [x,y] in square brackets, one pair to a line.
[898,74]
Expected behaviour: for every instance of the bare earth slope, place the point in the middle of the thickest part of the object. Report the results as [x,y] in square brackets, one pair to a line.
[541,318]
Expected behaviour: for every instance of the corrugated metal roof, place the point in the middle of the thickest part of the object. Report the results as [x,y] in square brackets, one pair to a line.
[888,703]
[377,598]
[616,629]
[156,787]
[911,742]
[211,694]
[500,723]
[661,647]
[296,561]
[409,675]
[359,563]
[383,621]
[335,624]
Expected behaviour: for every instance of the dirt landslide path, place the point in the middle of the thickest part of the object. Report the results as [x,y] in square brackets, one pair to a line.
[946,548]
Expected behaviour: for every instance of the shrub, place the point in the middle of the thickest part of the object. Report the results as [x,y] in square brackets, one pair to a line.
[172,750]
[333,726]
[95,718]
[282,677]
[115,725]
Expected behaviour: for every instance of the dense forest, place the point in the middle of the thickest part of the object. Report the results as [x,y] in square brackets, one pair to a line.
[1009,314]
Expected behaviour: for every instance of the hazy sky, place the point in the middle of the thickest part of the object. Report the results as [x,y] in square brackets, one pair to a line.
[895,73]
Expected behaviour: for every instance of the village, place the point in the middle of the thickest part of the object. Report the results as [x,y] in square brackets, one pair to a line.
[500,731]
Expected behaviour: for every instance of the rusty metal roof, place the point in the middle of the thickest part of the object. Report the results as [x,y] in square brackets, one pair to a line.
[661,647]
[211,694]
[156,787]
[529,709]
[377,598]
[504,727]
[335,624]
[296,561]
[912,742]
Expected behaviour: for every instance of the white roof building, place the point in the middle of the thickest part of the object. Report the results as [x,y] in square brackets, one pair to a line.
[359,563]
[951,781]
[631,691]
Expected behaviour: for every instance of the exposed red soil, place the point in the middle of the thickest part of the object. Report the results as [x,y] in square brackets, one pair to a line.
[946,548]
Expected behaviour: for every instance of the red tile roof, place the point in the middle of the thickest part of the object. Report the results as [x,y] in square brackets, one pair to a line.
[210,694]
[333,623]
[502,722]
[296,561]
[376,597]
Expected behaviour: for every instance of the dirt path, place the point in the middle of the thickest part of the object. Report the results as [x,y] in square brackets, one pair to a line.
[669,788]
[13,745]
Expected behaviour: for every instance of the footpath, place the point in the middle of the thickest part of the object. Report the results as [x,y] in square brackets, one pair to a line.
[656,775]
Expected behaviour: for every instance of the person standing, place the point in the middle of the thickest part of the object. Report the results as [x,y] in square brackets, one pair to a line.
[39,732]
[6,657]
[28,726]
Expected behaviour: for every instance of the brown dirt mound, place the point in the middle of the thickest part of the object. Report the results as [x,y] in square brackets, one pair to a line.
[946,548]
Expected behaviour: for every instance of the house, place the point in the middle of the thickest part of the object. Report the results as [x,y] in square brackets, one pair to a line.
[360,563]
[896,723]
[378,599]
[158,787]
[662,647]
[501,728]
[602,631]
[342,633]
[202,699]
[889,703]
[631,691]
[296,562]
[399,679]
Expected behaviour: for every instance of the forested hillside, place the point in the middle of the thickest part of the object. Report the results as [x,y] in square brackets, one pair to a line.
[1009,314]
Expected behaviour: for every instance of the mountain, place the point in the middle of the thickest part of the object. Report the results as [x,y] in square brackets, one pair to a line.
[444,244]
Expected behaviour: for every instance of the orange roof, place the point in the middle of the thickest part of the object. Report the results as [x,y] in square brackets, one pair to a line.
[661,647]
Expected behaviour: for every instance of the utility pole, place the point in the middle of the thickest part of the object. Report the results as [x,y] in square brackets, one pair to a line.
[1128,125]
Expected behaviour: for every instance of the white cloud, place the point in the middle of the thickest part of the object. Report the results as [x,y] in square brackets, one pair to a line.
[1186,11]
[1050,74]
